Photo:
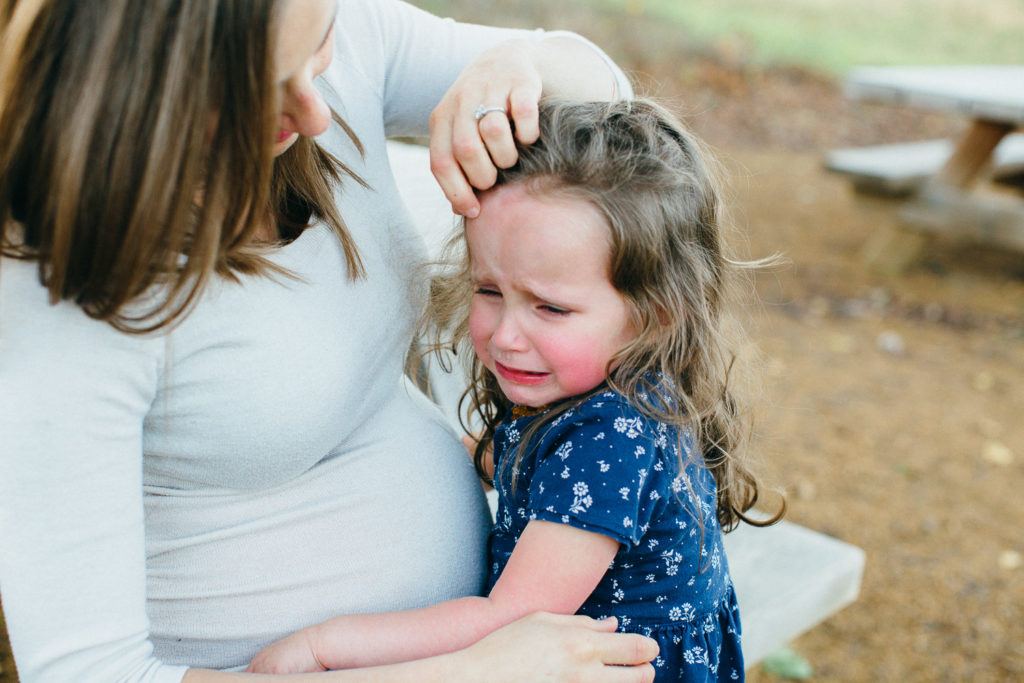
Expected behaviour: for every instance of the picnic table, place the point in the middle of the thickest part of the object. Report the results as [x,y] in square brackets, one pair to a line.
[787,578]
[947,199]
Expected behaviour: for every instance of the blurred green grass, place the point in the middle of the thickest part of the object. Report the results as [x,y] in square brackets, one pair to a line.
[834,35]
[829,36]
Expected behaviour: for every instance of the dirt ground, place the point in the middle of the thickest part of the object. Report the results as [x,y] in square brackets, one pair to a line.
[892,401]
[890,413]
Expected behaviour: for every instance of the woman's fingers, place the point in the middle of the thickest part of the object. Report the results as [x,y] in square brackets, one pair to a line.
[469,145]
[466,151]
[495,130]
[449,174]
[627,649]
[523,107]
[624,649]
[552,647]
[643,673]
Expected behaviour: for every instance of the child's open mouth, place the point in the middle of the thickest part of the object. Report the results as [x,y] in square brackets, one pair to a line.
[520,376]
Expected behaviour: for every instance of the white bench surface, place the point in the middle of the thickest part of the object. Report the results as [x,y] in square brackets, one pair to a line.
[902,167]
[787,578]
[985,92]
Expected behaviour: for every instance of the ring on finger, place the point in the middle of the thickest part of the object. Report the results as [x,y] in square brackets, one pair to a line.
[482,111]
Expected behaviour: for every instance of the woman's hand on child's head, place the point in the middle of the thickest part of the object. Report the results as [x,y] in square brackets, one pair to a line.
[466,151]
[549,647]
[292,655]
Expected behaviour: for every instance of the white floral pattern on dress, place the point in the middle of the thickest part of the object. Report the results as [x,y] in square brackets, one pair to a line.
[604,467]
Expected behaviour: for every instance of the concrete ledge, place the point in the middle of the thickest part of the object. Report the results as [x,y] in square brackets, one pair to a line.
[788,579]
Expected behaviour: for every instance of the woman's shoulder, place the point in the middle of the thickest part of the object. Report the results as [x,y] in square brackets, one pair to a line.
[31,325]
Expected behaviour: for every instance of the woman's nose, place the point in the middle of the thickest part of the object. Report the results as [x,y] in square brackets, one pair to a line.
[304,111]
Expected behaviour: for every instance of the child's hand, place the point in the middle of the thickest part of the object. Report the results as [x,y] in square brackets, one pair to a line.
[291,655]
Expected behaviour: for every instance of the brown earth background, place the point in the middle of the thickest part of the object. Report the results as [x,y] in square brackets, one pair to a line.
[890,413]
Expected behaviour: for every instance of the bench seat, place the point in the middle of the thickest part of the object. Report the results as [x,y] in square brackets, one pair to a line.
[900,169]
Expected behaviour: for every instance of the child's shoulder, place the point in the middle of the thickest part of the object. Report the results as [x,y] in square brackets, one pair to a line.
[607,400]
[605,406]
[608,412]
[609,404]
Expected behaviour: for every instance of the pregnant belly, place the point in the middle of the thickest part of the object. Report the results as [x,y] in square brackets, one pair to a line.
[394,520]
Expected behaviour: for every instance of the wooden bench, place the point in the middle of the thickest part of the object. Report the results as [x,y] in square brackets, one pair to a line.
[902,169]
[787,578]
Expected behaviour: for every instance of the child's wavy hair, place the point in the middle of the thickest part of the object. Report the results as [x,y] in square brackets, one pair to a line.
[651,180]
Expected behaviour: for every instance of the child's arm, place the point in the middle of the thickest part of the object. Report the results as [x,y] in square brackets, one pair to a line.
[554,568]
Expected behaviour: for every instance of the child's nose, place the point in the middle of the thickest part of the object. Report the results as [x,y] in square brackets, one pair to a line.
[507,335]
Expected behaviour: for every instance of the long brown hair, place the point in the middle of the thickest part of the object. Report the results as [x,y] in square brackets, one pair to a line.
[652,181]
[135,150]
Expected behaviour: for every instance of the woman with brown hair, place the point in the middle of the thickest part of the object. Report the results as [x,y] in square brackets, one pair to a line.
[208,440]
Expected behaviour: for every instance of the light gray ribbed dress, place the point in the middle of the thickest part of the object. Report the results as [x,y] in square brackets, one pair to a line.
[187,498]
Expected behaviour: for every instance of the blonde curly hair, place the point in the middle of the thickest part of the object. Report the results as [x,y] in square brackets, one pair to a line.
[653,183]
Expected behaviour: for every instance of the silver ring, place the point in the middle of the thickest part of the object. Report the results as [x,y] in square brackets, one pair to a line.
[483,111]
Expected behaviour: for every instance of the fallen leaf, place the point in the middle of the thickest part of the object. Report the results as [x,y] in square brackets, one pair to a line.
[789,664]
[1010,559]
[997,454]
[984,380]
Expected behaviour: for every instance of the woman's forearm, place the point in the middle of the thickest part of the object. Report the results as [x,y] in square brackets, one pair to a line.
[539,647]
[439,669]
[573,69]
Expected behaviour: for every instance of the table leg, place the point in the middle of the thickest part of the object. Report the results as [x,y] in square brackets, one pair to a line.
[947,204]
[972,152]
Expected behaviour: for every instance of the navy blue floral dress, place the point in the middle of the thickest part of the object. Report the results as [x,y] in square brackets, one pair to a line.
[604,467]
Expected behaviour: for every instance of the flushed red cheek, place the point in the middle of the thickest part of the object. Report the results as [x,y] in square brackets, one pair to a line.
[579,372]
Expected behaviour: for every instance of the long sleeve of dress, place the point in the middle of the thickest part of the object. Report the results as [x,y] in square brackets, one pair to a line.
[73,394]
[405,39]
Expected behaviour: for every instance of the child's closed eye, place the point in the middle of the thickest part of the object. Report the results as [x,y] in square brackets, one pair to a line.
[487,291]
[556,310]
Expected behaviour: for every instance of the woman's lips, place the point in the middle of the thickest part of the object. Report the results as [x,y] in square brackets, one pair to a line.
[520,376]
[284,135]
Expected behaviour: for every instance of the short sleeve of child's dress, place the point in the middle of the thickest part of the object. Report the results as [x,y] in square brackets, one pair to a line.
[593,471]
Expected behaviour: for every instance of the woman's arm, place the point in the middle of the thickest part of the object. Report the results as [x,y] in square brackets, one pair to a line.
[73,396]
[415,62]
[554,568]
[540,647]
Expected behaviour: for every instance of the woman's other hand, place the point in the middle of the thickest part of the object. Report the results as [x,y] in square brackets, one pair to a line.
[549,647]
[465,152]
